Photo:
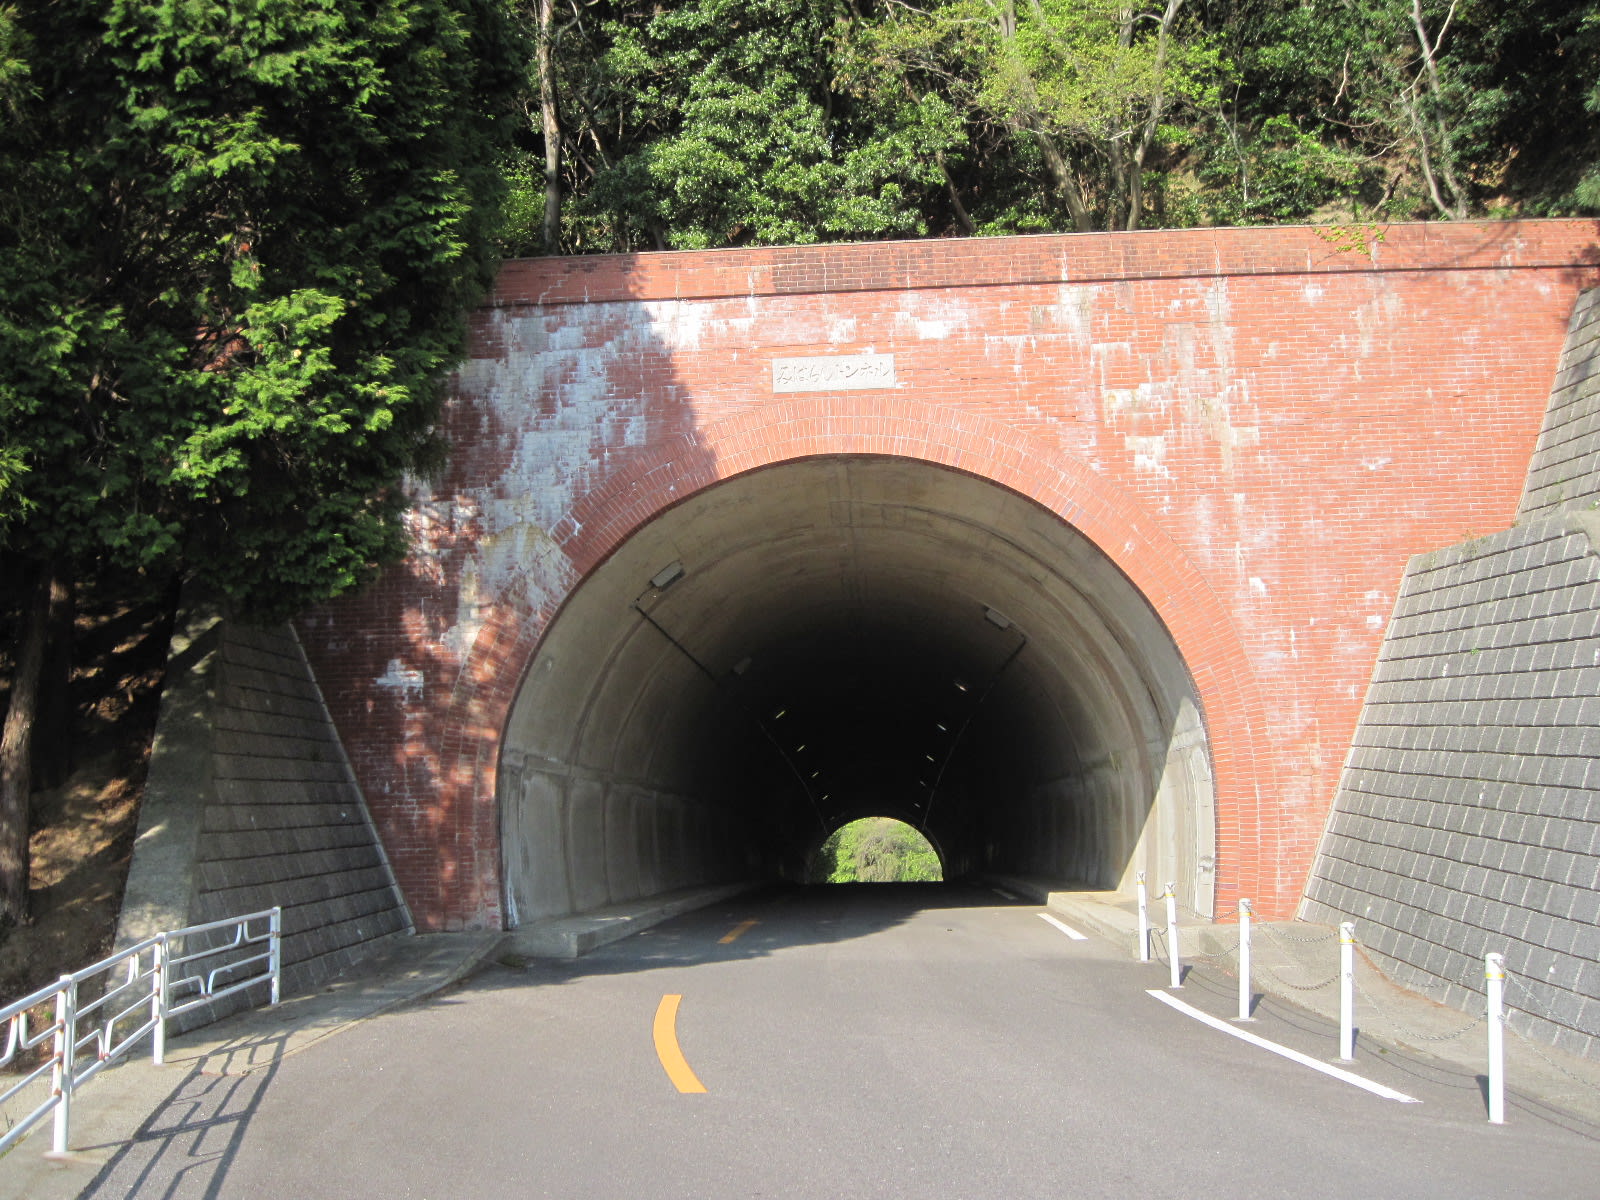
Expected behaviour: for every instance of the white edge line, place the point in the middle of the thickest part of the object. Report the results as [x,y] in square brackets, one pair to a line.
[1065,928]
[1305,1060]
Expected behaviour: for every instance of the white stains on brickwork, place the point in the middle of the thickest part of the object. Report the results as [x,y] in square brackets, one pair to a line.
[1378,315]
[1190,382]
[931,318]
[556,408]
[1376,463]
[1382,604]
[841,330]
[690,325]
[1016,352]
[406,684]
[1258,586]
[1149,454]
[1073,313]
[1313,293]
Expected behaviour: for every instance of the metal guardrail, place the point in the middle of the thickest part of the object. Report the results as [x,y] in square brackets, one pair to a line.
[139,989]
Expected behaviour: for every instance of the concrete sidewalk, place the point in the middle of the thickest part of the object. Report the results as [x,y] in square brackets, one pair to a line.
[1297,962]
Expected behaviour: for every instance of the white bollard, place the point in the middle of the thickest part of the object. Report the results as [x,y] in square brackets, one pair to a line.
[1494,972]
[1244,960]
[1172,935]
[1347,991]
[1144,921]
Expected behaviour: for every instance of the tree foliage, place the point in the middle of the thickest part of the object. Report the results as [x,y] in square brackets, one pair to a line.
[876,850]
[237,245]
[705,123]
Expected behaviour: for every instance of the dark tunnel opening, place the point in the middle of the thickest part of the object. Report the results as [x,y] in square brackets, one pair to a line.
[832,637]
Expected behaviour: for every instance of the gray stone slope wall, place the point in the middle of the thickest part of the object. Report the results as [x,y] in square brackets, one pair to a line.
[1468,814]
[287,824]
[250,804]
[1466,819]
[1565,471]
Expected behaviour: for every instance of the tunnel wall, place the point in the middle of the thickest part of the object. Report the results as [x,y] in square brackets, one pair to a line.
[1466,819]
[1260,427]
[849,599]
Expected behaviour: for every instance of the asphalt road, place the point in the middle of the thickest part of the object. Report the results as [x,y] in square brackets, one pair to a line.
[893,1041]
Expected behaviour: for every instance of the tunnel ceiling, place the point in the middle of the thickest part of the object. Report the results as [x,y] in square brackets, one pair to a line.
[844,636]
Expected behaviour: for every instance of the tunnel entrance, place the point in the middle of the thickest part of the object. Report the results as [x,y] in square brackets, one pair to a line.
[824,638]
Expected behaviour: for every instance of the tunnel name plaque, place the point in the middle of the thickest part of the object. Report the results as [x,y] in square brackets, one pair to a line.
[833,373]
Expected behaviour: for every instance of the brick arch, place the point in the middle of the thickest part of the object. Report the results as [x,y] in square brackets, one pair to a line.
[674,469]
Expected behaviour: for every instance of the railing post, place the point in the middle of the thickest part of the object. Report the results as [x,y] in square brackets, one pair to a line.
[1347,991]
[1172,934]
[1244,960]
[158,1001]
[1494,972]
[66,1061]
[275,952]
[1144,921]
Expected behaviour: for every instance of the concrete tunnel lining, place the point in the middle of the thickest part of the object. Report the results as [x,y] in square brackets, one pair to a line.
[852,595]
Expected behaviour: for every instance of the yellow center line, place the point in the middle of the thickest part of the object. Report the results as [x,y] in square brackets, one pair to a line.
[733,934]
[672,1060]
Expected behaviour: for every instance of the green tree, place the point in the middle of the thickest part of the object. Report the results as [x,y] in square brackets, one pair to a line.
[1407,108]
[1088,90]
[877,850]
[714,123]
[237,245]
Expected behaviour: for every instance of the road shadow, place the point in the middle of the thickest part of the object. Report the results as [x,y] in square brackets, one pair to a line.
[758,924]
[185,1148]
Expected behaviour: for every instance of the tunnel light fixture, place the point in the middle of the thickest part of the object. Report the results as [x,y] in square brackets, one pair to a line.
[667,576]
[960,687]
[800,747]
[779,714]
[814,774]
[930,758]
[996,618]
[940,727]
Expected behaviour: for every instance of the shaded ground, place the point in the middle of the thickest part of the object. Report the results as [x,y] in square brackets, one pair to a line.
[83,830]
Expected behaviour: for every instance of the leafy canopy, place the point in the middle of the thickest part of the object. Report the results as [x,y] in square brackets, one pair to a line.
[237,243]
[876,850]
[714,123]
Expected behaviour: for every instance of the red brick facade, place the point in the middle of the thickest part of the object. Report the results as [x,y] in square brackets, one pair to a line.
[1258,426]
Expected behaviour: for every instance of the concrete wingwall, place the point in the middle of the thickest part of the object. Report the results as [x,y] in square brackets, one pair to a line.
[250,804]
[1467,818]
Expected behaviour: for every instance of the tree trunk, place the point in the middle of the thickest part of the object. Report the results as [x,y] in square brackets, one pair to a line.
[552,127]
[52,739]
[15,754]
[1066,182]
